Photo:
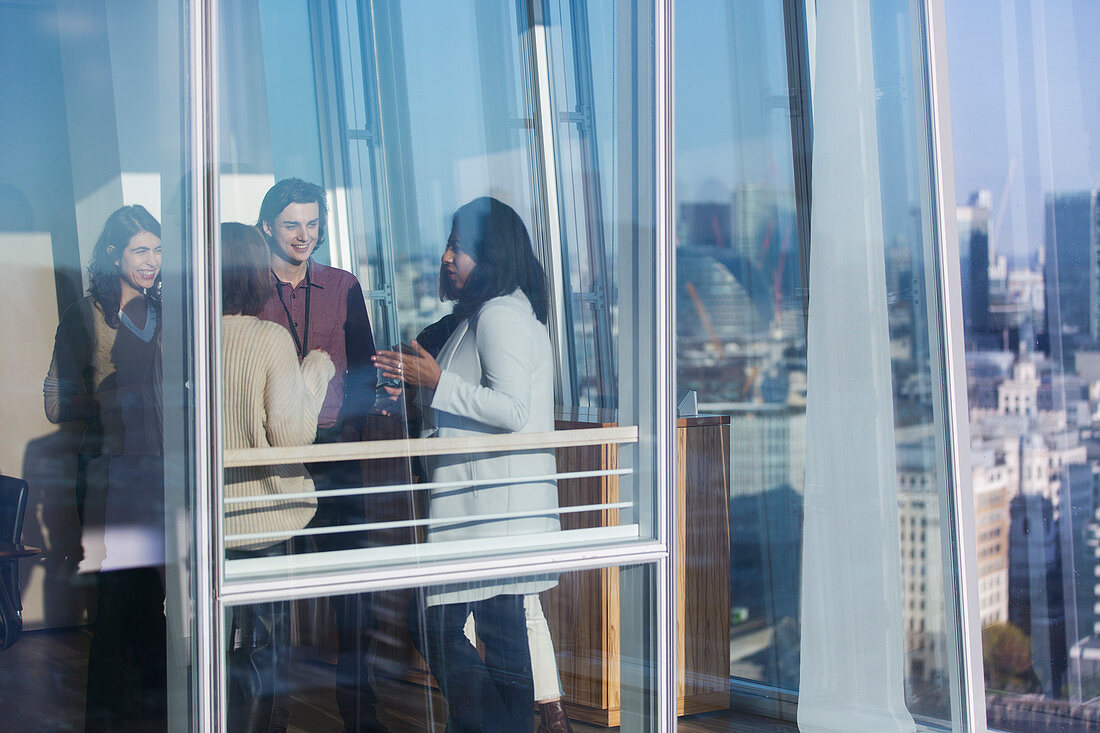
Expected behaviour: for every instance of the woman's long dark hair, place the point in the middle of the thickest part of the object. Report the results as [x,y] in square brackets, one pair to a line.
[493,234]
[103,274]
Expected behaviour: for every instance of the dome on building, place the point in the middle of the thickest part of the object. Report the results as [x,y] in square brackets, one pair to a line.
[724,300]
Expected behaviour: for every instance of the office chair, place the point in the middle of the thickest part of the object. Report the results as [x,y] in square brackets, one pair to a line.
[13,505]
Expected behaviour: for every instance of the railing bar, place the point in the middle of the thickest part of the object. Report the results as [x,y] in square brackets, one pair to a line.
[428,522]
[392,488]
[403,448]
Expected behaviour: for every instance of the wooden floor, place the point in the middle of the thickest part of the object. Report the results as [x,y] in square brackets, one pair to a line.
[42,682]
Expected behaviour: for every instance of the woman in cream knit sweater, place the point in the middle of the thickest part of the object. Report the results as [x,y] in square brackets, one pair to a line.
[269,399]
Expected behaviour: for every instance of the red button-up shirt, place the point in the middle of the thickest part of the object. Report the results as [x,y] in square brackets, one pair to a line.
[339,325]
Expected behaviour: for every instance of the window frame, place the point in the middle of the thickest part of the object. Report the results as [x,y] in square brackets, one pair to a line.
[213,597]
[648,690]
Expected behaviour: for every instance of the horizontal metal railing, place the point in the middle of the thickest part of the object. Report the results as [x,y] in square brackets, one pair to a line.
[400,448]
[252,536]
[405,448]
[429,485]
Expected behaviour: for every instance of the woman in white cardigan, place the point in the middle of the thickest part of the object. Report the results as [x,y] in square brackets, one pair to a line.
[493,375]
[269,399]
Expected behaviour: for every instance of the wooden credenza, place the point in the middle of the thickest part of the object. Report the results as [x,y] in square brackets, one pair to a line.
[584,609]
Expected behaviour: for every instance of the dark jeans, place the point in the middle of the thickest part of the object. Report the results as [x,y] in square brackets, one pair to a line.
[496,694]
[356,620]
[259,659]
[259,668]
[127,659]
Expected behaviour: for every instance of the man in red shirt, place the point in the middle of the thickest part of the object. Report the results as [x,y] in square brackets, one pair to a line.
[323,308]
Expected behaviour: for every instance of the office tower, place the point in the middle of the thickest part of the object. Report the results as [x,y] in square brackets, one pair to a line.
[767,483]
[976,254]
[705,224]
[993,476]
[1072,226]
[919,527]
[1036,602]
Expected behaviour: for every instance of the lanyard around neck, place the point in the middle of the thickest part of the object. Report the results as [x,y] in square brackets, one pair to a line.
[301,344]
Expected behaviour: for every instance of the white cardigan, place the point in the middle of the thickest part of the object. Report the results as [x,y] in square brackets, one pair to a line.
[498,377]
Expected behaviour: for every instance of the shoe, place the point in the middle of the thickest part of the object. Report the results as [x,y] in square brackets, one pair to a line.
[553,718]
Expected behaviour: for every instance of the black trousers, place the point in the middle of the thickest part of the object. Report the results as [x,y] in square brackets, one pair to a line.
[356,618]
[127,659]
[259,668]
[494,695]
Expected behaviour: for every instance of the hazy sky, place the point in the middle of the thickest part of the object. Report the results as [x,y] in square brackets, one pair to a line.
[1025,106]
[1025,102]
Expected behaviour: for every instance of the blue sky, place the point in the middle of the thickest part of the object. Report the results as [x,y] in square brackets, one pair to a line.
[1025,102]
[1025,106]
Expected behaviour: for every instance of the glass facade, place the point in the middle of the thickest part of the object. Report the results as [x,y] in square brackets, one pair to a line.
[1025,186]
[534,364]
[421,160]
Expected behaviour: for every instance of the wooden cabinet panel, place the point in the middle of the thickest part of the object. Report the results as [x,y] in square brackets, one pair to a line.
[583,610]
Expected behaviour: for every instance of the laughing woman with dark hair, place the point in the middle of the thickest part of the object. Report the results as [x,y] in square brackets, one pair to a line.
[105,374]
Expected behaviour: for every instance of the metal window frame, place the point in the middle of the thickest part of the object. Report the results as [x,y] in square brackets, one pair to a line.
[206,321]
[210,599]
[664,114]
[548,236]
[652,559]
[968,697]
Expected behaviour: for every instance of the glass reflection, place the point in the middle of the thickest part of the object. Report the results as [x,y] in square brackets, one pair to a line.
[404,144]
[741,342]
[745,122]
[500,663]
[95,603]
[1024,109]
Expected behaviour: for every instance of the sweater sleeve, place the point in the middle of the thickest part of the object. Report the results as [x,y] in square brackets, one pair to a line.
[293,393]
[506,349]
[63,390]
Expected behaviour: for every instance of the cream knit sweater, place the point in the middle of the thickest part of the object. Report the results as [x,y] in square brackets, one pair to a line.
[268,400]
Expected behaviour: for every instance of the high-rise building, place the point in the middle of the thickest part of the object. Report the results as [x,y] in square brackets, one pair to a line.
[767,478]
[1072,280]
[976,255]
[705,223]
[922,607]
[993,478]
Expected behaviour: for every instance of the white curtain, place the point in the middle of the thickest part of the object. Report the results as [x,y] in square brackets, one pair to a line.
[852,665]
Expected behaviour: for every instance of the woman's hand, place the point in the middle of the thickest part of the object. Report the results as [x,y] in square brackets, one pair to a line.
[419,369]
[392,404]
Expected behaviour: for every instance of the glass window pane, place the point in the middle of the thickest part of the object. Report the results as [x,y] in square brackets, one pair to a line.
[1024,107]
[816,332]
[481,656]
[95,225]
[741,343]
[424,111]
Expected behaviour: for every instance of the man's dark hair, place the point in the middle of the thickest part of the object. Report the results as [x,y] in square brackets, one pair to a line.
[103,275]
[293,191]
[493,234]
[246,272]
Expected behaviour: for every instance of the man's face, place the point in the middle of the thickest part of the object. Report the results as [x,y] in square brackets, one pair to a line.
[294,232]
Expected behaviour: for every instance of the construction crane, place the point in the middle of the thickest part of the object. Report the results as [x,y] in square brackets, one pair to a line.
[704,318]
